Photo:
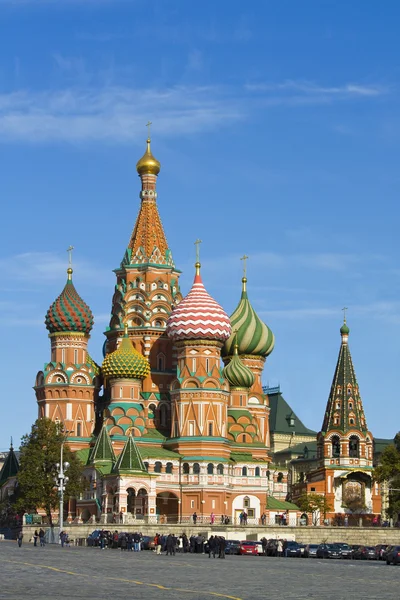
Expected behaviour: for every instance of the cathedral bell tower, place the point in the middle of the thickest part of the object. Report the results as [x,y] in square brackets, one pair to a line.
[146,291]
[198,327]
[68,387]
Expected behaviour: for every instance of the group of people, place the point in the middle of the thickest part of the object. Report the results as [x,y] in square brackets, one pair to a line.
[39,536]
[126,541]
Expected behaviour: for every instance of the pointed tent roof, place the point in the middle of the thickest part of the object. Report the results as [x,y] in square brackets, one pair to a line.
[344,410]
[103,451]
[130,461]
[10,467]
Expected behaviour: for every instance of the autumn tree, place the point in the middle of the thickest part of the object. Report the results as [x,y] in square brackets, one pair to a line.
[388,471]
[39,454]
[314,504]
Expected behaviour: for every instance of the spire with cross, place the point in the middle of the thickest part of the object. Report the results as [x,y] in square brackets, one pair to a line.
[148,125]
[244,258]
[69,270]
[197,265]
[344,309]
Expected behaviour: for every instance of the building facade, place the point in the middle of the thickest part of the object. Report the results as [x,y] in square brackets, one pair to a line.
[175,420]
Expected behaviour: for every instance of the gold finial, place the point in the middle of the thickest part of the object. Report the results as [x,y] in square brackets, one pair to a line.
[235,344]
[148,164]
[69,270]
[344,309]
[197,265]
[148,125]
[126,330]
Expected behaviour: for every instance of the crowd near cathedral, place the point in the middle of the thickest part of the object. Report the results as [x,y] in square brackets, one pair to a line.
[176,421]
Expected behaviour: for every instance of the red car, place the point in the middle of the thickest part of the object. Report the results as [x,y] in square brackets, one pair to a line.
[248,547]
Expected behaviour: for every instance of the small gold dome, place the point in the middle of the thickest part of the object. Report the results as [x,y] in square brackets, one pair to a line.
[148,164]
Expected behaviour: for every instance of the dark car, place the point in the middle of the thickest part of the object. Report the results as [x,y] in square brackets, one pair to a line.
[393,555]
[345,549]
[328,551]
[365,553]
[232,546]
[311,551]
[292,549]
[356,549]
[147,542]
[380,550]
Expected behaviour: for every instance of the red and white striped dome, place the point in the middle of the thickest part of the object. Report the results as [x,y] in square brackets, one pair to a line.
[198,316]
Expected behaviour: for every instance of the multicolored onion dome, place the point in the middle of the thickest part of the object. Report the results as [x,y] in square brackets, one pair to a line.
[148,164]
[69,312]
[125,361]
[198,316]
[253,336]
[236,372]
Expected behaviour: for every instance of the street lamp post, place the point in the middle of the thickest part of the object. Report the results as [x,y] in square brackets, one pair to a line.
[61,481]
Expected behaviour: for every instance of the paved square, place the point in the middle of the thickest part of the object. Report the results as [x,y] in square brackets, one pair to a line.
[55,572]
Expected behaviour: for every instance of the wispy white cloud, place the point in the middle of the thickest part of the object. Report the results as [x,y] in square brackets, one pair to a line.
[113,113]
[46,268]
[310,88]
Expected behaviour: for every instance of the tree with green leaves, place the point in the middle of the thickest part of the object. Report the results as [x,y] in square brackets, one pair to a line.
[37,477]
[314,504]
[388,471]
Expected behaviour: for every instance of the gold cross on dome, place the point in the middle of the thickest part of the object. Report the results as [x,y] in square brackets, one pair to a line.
[148,125]
[69,250]
[344,313]
[244,259]
[197,244]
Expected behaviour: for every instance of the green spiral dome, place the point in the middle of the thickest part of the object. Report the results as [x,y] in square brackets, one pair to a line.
[236,372]
[253,336]
[125,362]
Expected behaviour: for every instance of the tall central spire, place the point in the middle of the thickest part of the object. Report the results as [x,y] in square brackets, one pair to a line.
[148,244]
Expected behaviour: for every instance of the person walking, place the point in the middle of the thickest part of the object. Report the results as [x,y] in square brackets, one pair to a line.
[136,542]
[157,543]
[35,538]
[212,518]
[20,538]
[222,546]
[211,546]
[279,547]
[194,517]
[41,538]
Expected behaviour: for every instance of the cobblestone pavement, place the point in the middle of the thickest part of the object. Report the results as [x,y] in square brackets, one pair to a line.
[55,572]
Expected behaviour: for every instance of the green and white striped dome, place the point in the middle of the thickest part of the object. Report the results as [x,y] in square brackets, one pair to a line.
[236,372]
[253,336]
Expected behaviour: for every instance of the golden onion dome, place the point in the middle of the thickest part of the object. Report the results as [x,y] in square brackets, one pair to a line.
[148,164]
[125,362]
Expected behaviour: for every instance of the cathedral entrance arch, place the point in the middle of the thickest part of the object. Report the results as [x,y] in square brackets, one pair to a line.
[131,500]
[167,507]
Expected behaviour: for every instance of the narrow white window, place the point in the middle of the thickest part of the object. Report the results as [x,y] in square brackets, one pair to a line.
[88,412]
[63,355]
[120,392]
[69,411]
[212,503]
[192,504]
[47,410]
[132,396]
[193,364]
[191,428]
[76,357]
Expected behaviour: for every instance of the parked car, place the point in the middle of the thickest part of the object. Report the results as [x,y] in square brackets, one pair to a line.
[272,549]
[328,551]
[302,550]
[248,547]
[381,551]
[393,555]
[365,553]
[147,542]
[355,549]
[93,539]
[345,549]
[292,549]
[311,551]
[232,546]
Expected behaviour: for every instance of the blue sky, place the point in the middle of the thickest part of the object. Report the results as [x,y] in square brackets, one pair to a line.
[277,125]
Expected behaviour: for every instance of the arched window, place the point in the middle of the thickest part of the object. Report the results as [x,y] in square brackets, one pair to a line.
[185,468]
[354,447]
[210,469]
[279,479]
[196,469]
[163,415]
[244,471]
[157,467]
[78,429]
[168,468]
[351,421]
[152,411]
[220,469]
[335,446]
[244,438]
[160,360]
[257,472]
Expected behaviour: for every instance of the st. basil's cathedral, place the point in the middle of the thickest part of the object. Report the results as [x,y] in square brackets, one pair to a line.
[163,429]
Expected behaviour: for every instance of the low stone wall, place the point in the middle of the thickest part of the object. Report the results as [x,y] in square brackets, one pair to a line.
[305,535]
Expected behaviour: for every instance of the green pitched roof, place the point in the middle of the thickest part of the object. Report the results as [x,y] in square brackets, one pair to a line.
[275,504]
[344,389]
[157,452]
[10,467]
[279,415]
[102,451]
[129,460]
[83,455]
